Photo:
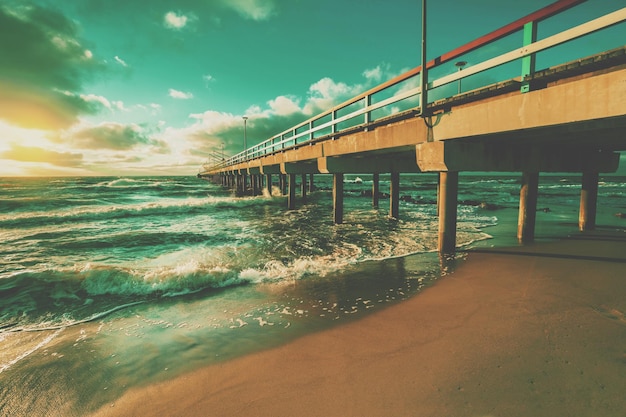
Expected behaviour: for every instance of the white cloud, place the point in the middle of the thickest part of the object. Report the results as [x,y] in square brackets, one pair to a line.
[252,9]
[180,94]
[97,99]
[175,21]
[283,106]
[119,105]
[374,74]
[208,78]
[103,101]
[213,121]
[327,93]
[120,61]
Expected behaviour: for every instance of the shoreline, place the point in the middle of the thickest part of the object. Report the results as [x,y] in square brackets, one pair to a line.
[534,330]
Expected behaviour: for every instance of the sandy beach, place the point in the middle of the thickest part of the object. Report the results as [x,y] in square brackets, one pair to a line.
[538,330]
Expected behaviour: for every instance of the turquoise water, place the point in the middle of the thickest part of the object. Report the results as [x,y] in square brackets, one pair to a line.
[111,283]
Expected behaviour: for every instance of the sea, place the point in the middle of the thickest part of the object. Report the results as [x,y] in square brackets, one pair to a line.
[112,283]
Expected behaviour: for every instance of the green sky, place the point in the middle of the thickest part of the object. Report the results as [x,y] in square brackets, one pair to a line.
[137,87]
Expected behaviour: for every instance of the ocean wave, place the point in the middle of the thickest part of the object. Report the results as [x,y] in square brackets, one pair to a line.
[60,296]
[185,206]
[55,298]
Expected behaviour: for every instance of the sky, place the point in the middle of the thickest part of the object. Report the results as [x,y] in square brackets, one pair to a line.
[156,87]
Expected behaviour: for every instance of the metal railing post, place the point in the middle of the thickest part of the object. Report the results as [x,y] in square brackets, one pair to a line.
[368,115]
[528,62]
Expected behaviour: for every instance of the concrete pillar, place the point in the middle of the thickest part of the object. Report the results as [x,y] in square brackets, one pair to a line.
[283,183]
[303,187]
[291,199]
[268,183]
[527,207]
[338,198]
[240,184]
[588,201]
[394,195]
[245,183]
[255,184]
[311,186]
[448,195]
[375,189]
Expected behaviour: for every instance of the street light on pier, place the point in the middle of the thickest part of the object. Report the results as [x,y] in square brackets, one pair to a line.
[460,65]
[245,136]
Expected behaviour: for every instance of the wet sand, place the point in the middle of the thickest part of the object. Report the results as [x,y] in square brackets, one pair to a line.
[538,330]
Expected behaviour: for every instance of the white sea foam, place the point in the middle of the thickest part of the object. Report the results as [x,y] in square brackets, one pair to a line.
[5,366]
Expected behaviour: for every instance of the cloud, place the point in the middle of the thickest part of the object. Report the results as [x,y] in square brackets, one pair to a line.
[174,21]
[36,154]
[180,95]
[120,61]
[113,136]
[282,105]
[374,74]
[97,99]
[208,79]
[211,130]
[252,9]
[35,72]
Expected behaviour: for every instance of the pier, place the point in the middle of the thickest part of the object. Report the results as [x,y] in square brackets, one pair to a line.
[567,118]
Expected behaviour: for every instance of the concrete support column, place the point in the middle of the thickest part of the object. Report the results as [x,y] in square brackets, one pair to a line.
[303,187]
[527,207]
[239,184]
[375,189]
[394,195]
[291,199]
[448,195]
[255,184]
[268,183]
[338,198]
[283,183]
[588,201]
[311,186]
[245,183]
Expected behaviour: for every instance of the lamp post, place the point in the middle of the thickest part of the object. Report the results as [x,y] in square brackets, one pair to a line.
[460,65]
[245,137]
[424,74]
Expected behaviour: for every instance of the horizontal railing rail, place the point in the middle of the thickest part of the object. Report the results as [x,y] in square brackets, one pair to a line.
[305,132]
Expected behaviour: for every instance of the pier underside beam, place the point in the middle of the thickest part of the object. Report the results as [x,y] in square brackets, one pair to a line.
[305,167]
[368,165]
[270,169]
[512,157]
